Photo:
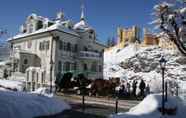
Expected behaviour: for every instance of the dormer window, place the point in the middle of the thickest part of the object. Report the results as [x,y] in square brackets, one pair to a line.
[50,24]
[39,24]
[31,28]
[91,32]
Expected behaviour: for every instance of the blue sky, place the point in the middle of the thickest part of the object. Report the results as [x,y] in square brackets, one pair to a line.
[103,15]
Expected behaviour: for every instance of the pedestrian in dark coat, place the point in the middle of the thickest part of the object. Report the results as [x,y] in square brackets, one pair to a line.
[134,86]
[142,88]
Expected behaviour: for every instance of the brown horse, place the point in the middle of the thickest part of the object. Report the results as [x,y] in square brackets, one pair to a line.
[104,87]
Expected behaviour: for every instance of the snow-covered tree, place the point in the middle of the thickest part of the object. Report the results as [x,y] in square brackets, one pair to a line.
[171,19]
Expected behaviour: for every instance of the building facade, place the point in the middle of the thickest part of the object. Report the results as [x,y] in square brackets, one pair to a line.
[56,46]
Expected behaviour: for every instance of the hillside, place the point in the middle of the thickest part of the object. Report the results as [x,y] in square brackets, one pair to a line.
[134,62]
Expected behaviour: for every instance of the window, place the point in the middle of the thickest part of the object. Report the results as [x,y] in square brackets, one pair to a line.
[39,24]
[67,66]
[60,45]
[41,46]
[94,67]
[75,48]
[85,48]
[68,46]
[85,67]
[90,36]
[59,66]
[75,66]
[64,46]
[47,44]
[25,61]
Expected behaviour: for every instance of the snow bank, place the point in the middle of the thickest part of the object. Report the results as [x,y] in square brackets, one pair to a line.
[148,108]
[43,91]
[22,105]
[16,85]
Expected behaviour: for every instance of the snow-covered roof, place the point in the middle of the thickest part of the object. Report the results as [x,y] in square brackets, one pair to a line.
[41,18]
[56,26]
[82,25]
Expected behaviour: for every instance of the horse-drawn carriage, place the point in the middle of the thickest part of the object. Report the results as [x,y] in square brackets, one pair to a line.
[78,81]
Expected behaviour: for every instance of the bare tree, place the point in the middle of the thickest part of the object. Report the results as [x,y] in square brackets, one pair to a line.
[171,19]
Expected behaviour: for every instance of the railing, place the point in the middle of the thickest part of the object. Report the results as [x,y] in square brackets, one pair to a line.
[89,55]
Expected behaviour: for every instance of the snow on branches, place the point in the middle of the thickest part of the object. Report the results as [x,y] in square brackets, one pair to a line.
[171,19]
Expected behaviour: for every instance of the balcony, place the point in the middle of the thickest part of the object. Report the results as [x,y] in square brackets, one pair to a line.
[89,55]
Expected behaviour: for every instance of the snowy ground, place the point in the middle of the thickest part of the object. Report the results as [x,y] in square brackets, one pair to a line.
[148,108]
[27,105]
[23,105]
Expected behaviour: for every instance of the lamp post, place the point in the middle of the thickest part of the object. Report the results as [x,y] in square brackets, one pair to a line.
[163,65]
[117,100]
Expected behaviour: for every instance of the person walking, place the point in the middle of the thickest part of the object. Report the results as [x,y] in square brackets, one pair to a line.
[147,90]
[128,89]
[134,86]
[142,88]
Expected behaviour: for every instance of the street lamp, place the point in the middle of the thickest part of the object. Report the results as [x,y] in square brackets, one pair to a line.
[117,99]
[163,65]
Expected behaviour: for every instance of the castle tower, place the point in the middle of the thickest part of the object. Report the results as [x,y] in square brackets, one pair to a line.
[127,35]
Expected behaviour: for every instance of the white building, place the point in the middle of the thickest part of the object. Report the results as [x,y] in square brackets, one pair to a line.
[56,46]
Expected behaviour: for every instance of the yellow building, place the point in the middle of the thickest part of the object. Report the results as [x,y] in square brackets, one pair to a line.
[127,35]
[149,39]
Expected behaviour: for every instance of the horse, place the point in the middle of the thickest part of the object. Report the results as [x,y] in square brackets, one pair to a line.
[104,87]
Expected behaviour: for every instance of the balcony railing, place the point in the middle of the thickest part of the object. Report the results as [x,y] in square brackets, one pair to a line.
[89,55]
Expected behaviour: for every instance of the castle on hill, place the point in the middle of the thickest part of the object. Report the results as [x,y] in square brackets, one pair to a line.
[126,36]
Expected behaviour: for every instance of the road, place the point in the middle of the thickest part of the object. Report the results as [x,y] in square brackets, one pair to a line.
[110,102]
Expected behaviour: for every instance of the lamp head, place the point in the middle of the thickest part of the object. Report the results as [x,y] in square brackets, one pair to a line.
[163,62]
